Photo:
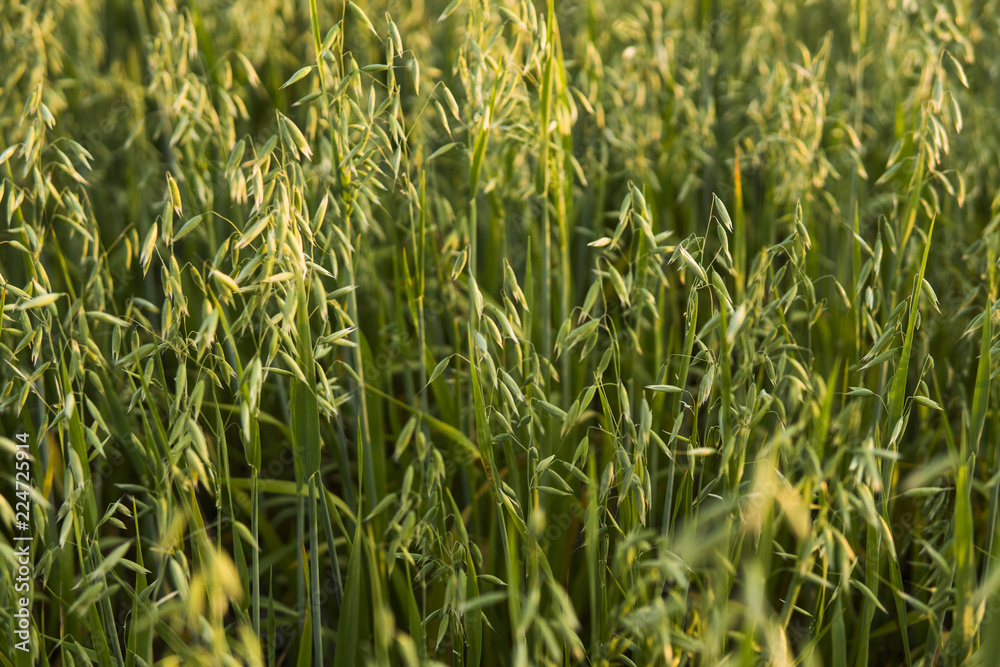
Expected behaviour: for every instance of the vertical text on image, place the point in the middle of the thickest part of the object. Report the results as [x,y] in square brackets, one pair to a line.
[22,524]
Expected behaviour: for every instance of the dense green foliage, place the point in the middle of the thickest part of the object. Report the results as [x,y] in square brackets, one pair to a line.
[502,334]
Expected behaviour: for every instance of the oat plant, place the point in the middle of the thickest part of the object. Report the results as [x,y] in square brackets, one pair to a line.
[501,333]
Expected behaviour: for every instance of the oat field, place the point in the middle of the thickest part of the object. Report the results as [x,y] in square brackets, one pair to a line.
[514,332]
